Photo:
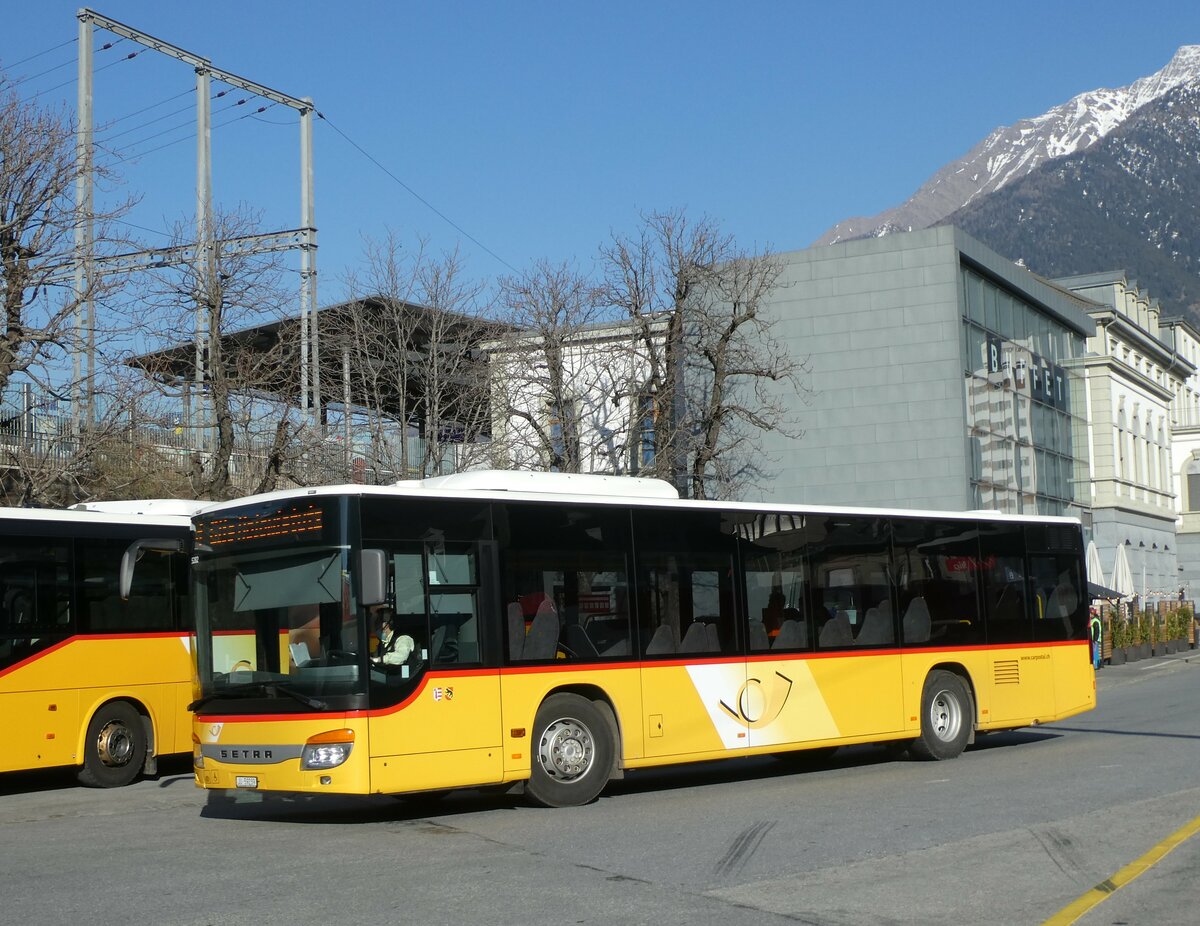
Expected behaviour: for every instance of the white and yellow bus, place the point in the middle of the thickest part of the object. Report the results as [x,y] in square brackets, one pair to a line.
[562,630]
[89,678]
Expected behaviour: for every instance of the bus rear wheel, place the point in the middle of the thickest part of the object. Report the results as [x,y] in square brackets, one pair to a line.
[946,717]
[572,752]
[114,749]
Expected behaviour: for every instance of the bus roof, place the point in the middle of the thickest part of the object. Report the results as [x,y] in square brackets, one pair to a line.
[544,487]
[179,507]
[106,513]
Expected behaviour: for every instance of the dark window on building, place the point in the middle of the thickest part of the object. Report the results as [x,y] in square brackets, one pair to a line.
[643,450]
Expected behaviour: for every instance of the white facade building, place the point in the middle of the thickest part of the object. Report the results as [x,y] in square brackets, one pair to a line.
[1136,378]
[596,400]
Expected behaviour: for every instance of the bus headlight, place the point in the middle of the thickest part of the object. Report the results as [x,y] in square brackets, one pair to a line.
[327,750]
[197,752]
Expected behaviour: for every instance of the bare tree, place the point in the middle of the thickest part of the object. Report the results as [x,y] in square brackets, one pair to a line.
[694,299]
[38,220]
[52,450]
[413,371]
[547,373]
[229,296]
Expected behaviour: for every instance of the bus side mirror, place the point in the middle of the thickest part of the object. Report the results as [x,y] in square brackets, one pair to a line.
[134,552]
[373,577]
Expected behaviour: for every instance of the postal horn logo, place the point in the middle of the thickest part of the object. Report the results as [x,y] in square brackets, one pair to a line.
[760,701]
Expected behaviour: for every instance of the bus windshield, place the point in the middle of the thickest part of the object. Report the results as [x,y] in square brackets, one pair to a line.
[276,616]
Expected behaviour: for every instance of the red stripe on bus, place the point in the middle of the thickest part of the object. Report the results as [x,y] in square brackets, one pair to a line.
[80,638]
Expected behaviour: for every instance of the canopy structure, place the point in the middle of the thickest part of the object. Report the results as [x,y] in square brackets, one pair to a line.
[265,359]
[1122,576]
[1096,590]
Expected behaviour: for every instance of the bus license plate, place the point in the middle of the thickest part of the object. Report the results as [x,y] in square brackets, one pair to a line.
[247,781]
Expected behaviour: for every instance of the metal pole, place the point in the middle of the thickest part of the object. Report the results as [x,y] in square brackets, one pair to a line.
[204,252]
[346,429]
[83,231]
[309,348]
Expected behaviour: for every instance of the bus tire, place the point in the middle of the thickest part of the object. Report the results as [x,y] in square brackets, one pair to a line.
[572,752]
[114,749]
[946,717]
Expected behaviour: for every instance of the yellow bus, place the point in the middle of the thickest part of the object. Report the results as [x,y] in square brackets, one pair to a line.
[559,631]
[88,678]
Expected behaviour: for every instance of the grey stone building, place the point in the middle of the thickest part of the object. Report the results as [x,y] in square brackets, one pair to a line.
[944,377]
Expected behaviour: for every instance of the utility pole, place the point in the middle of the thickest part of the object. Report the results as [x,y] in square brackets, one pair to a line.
[84,237]
[303,239]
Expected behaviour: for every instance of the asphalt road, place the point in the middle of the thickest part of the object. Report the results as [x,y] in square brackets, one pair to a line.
[1010,833]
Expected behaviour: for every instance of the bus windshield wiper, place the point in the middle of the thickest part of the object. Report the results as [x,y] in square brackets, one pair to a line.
[271,689]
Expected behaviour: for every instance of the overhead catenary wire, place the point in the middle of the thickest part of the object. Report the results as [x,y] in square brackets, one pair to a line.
[432,208]
[174,112]
[70,41]
[71,61]
[65,83]
[136,155]
[138,112]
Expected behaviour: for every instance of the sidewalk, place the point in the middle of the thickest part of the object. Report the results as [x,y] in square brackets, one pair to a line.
[1133,670]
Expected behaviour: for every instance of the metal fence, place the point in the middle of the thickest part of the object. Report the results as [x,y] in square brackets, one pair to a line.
[42,434]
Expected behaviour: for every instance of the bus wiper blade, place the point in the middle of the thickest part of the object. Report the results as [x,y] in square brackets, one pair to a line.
[315,703]
[266,688]
[228,694]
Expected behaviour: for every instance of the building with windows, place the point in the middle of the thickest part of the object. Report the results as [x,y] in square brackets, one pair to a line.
[1134,376]
[943,377]
[1185,453]
[572,399]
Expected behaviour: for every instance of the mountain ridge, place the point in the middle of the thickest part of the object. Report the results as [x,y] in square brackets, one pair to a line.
[1009,153]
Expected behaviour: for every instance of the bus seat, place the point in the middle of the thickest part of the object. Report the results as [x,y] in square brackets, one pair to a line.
[759,640]
[916,621]
[580,643]
[695,639]
[877,626]
[793,634]
[837,631]
[516,630]
[1062,601]
[713,633]
[663,641]
[542,639]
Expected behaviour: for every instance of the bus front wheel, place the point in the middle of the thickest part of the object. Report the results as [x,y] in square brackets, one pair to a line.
[114,749]
[946,717]
[572,752]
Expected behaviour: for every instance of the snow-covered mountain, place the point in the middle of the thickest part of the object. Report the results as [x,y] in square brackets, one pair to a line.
[1012,152]
[1130,201]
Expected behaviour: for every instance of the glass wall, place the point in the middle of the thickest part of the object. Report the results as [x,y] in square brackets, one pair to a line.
[1026,419]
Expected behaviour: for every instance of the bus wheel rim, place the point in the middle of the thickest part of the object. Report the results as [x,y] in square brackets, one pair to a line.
[566,750]
[114,745]
[945,715]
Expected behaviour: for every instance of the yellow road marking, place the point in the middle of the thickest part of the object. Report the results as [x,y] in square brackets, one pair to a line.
[1077,908]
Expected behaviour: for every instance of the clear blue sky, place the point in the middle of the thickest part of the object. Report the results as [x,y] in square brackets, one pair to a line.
[539,128]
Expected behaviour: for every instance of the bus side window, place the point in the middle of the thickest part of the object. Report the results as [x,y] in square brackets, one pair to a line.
[35,600]
[686,587]
[565,582]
